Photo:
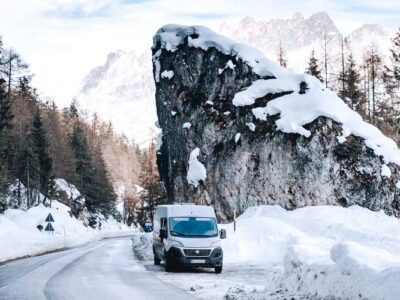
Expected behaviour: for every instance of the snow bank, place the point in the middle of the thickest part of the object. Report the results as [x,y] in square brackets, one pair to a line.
[19,235]
[322,250]
[196,171]
[295,109]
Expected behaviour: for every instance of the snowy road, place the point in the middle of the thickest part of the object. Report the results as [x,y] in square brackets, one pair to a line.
[105,269]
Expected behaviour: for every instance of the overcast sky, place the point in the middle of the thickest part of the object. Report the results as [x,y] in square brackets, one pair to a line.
[63,40]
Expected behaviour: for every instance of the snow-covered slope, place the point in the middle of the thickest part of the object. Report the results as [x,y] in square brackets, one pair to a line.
[19,235]
[122,90]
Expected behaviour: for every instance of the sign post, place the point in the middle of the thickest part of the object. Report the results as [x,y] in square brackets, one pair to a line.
[49,227]
[234,220]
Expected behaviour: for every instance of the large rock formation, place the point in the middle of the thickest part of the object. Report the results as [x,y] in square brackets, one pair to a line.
[238,130]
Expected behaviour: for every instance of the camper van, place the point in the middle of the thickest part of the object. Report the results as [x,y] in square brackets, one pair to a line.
[187,235]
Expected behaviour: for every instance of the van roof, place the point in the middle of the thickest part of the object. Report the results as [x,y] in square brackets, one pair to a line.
[178,210]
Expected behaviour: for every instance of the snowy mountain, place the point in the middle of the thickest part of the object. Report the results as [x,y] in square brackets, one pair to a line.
[122,90]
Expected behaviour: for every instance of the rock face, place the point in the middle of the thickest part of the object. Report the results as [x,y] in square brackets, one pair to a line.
[249,161]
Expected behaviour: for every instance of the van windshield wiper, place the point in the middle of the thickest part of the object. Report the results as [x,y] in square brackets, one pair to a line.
[177,233]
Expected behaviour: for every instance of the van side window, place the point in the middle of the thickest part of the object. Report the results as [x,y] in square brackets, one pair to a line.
[163,222]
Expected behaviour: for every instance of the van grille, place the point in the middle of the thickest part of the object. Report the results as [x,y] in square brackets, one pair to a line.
[197,252]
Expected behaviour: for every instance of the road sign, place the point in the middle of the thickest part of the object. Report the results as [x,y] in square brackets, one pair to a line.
[49,218]
[49,227]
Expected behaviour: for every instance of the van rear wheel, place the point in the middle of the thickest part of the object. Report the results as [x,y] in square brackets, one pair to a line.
[157,261]
[218,270]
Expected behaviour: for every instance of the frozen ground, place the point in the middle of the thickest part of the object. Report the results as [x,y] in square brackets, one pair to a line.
[322,252]
[103,270]
[19,235]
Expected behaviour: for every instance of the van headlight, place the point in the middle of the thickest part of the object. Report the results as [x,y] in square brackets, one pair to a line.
[216,244]
[176,243]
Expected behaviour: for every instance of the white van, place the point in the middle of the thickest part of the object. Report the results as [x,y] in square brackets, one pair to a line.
[186,235]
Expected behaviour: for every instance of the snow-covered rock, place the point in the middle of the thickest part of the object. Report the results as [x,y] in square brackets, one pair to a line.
[292,158]
[122,90]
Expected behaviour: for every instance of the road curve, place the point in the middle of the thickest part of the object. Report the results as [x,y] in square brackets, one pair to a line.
[105,269]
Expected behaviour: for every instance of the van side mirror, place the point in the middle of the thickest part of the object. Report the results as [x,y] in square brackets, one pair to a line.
[222,234]
[163,233]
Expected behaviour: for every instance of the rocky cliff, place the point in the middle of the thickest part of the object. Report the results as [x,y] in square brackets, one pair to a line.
[238,130]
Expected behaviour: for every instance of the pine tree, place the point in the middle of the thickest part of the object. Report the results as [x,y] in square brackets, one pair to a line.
[373,63]
[313,68]
[13,68]
[350,85]
[5,124]
[282,60]
[392,73]
[149,179]
[43,162]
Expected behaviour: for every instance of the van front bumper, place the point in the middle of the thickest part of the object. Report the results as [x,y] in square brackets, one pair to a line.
[177,257]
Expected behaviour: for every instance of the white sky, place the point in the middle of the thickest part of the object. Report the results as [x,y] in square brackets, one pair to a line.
[63,40]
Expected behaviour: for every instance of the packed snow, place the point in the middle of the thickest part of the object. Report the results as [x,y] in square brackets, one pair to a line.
[20,236]
[196,171]
[167,74]
[315,101]
[318,252]
[186,125]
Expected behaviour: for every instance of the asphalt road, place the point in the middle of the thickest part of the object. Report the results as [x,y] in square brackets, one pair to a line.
[105,269]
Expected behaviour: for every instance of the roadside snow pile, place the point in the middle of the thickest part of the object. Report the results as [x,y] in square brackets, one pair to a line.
[19,235]
[315,99]
[196,171]
[351,253]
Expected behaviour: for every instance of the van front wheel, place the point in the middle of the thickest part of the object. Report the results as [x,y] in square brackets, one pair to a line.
[218,270]
[168,265]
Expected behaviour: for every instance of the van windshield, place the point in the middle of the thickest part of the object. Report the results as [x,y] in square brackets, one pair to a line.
[193,227]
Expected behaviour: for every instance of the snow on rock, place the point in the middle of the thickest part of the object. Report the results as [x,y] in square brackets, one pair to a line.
[61,185]
[316,102]
[229,65]
[186,125]
[173,113]
[19,235]
[196,171]
[159,141]
[251,126]
[386,171]
[167,74]
[398,184]
[321,251]
[237,137]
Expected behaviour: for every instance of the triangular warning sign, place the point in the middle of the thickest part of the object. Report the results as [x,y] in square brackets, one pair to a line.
[49,227]
[49,218]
